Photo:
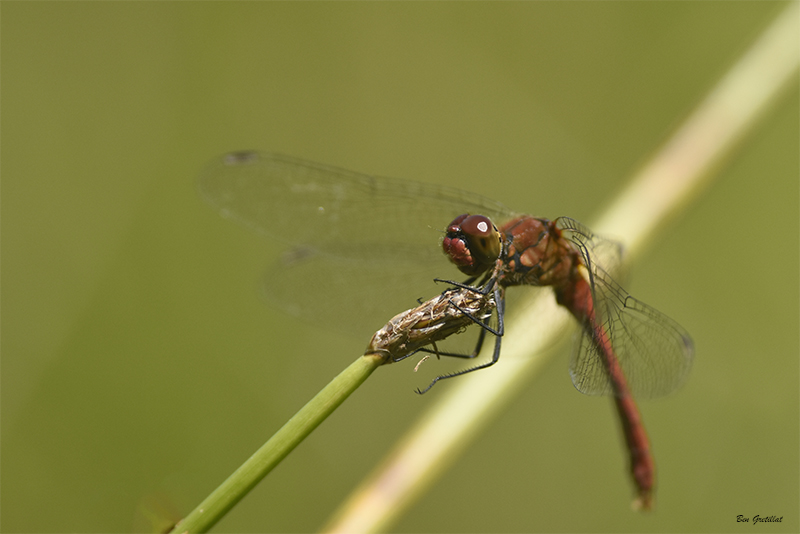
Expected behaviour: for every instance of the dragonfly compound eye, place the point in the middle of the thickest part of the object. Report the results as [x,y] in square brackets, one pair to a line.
[472,242]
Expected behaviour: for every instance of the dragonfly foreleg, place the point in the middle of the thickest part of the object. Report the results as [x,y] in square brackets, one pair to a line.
[500,302]
[471,355]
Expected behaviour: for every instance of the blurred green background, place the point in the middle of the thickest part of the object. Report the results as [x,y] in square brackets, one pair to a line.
[139,363]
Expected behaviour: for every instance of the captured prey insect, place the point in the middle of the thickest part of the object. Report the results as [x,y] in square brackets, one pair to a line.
[436,319]
[355,240]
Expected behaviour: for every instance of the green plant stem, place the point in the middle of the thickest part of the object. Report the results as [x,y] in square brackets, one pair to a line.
[230,492]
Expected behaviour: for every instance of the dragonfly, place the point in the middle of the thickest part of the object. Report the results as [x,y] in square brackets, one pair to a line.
[354,241]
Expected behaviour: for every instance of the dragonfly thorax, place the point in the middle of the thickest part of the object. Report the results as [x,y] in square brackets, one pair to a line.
[538,254]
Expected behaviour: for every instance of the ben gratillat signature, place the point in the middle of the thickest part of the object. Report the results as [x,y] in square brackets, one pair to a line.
[759,519]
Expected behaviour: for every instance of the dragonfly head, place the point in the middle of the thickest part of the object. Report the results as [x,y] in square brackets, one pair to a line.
[473,243]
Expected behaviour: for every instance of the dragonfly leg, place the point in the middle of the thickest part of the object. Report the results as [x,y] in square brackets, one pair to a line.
[484,288]
[435,350]
[466,284]
[471,355]
[410,354]
[485,326]
[495,355]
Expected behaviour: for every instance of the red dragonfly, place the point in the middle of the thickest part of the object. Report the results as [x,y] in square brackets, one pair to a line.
[627,347]
[350,234]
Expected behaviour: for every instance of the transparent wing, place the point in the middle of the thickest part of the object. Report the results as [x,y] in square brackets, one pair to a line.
[359,248]
[654,351]
[300,202]
[352,293]
[596,250]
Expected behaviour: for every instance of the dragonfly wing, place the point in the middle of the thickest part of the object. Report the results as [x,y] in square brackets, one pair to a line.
[654,351]
[301,202]
[364,245]
[586,369]
[352,293]
[658,350]
[595,250]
